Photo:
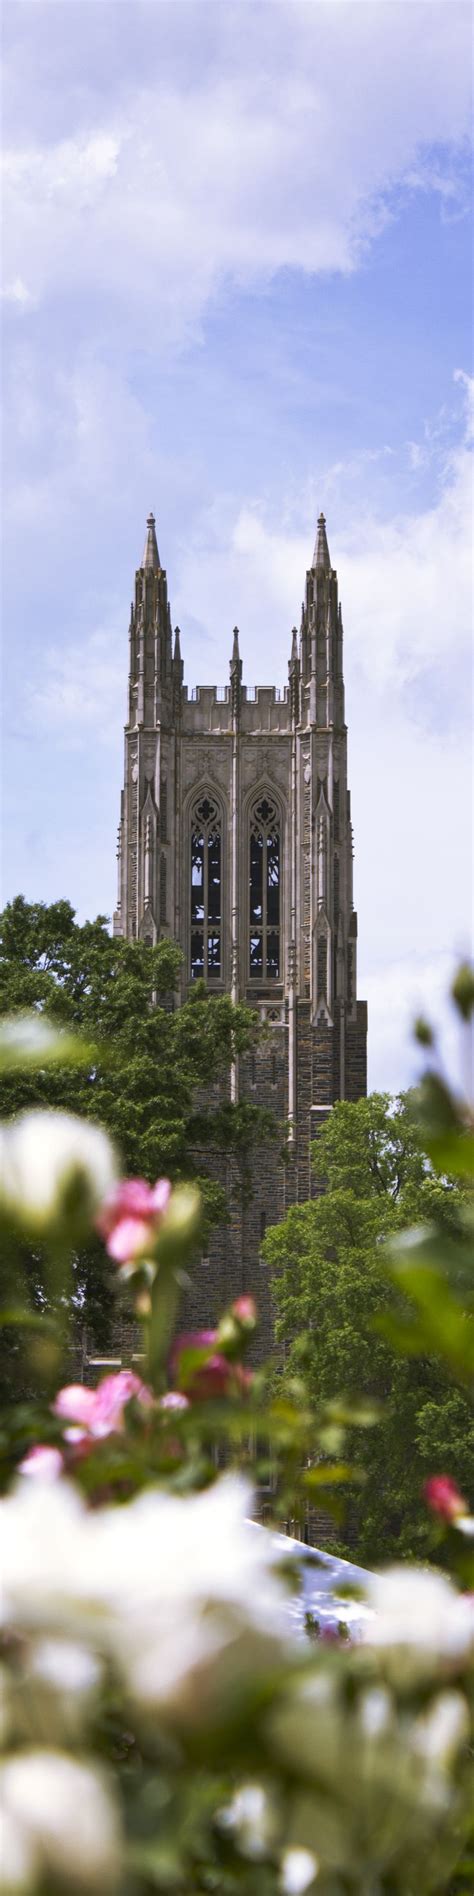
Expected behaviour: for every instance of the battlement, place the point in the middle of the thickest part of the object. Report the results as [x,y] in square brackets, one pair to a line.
[209,708]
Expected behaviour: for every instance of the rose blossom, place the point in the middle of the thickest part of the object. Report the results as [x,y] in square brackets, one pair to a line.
[443,1497]
[44,1460]
[422,1622]
[215,1375]
[95,1413]
[245,1309]
[179,1593]
[130,1217]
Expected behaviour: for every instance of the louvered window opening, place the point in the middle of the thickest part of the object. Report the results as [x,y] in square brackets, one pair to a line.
[264,891]
[206,891]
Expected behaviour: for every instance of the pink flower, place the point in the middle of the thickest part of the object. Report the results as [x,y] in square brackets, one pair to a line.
[214,1375]
[245,1310]
[130,1217]
[42,1460]
[95,1413]
[76,1402]
[443,1497]
[202,1379]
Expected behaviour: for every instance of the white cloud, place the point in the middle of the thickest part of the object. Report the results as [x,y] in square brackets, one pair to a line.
[17,293]
[81,690]
[282,145]
[405,580]
[397,995]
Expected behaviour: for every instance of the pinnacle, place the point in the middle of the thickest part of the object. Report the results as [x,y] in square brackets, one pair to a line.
[294,646]
[321,550]
[151,557]
[177,645]
[235,645]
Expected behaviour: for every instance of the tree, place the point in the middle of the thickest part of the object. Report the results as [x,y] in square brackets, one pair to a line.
[331,1283]
[150,1061]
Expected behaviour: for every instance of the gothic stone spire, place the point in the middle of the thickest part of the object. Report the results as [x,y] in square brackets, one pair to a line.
[321,550]
[151,557]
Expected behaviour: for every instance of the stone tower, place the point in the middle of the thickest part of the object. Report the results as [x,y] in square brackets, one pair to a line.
[235,839]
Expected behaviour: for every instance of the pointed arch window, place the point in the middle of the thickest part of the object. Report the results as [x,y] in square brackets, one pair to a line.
[206,890]
[264,890]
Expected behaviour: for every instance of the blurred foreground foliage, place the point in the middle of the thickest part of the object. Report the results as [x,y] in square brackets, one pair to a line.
[164,1729]
[396,1335]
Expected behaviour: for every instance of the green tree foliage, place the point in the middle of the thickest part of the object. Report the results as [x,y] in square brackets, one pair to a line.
[150,1062]
[331,1283]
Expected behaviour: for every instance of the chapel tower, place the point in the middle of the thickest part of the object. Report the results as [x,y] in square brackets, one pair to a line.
[235,839]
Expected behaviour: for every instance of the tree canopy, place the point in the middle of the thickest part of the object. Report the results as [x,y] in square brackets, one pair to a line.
[331,1283]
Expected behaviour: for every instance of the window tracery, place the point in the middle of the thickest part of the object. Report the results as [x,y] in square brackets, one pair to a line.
[206,890]
[264,890]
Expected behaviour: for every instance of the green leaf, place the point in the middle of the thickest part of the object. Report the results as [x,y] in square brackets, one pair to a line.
[356,1414]
[328,1472]
[26,1320]
[29,1040]
[444,1327]
[447,1130]
[452,1152]
[450,1255]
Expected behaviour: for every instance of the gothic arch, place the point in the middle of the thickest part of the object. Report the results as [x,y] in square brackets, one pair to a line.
[205,893]
[263,883]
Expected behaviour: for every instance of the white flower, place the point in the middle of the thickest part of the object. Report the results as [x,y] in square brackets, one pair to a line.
[251,1819]
[65,1667]
[62,1681]
[18,1859]
[46,1533]
[194,1596]
[442,1729]
[375,1709]
[54,1170]
[178,1591]
[59,1819]
[299,1869]
[420,1619]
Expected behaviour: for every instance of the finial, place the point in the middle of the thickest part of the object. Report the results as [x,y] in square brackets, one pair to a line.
[177,646]
[294,646]
[321,551]
[151,557]
[235,646]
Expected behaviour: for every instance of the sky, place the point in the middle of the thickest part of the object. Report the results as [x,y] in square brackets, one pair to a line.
[236,289]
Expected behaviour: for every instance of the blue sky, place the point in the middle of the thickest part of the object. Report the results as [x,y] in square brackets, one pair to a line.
[237,288]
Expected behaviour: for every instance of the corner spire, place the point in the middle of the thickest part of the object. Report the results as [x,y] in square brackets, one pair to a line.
[321,550]
[151,557]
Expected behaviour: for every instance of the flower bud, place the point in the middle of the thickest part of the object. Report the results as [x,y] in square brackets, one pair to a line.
[236,1326]
[130,1218]
[443,1498]
[54,1171]
[180,1224]
[463,990]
